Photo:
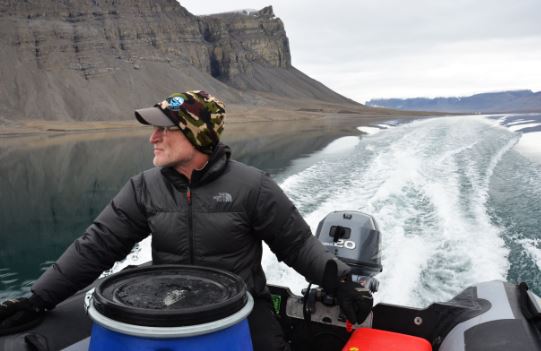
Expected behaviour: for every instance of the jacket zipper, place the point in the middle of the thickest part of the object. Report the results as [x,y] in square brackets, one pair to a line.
[190,224]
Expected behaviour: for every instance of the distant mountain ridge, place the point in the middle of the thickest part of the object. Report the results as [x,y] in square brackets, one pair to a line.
[98,60]
[505,101]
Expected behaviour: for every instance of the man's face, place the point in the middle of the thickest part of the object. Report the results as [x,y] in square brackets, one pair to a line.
[171,148]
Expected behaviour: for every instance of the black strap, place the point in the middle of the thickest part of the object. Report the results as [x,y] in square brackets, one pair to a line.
[525,304]
[36,342]
[24,326]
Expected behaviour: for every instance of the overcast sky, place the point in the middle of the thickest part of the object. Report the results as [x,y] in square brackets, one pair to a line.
[367,49]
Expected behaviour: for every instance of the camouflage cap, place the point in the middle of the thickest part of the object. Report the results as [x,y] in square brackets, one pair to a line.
[198,114]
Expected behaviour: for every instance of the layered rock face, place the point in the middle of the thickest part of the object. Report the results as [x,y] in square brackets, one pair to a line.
[100,59]
[241,39]
[93,37]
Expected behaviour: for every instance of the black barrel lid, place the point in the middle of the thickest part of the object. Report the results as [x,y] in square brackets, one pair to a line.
[170,295]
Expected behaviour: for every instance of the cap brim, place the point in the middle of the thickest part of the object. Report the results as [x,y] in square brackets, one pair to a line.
[153,116]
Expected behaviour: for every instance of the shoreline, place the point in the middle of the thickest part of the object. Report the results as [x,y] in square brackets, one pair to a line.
[248,126]
[50,128]
[241,124]
[236,115]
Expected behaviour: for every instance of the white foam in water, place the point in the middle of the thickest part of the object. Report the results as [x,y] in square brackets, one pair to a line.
[518,127]
[141,253]
[341,145]
[532,247]
[279,273]
[520,121]
[426,183]
[369,130]
[446,232]
[529,144]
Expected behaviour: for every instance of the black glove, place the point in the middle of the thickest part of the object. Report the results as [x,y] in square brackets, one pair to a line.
[355,301]
[20,314]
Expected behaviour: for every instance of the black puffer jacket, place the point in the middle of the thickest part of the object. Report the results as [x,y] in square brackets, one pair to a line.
[217,220]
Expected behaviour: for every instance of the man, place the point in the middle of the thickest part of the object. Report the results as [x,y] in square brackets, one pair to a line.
[202,208]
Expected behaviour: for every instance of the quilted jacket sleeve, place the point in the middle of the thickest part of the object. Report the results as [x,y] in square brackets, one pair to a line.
[110,238]
[278,222]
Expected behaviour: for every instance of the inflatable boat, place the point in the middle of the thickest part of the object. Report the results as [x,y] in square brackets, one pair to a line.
[492,315]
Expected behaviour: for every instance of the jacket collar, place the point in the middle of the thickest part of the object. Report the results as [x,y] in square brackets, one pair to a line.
[214,168]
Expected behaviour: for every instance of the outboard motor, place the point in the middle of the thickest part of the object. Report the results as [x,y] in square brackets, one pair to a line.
[354,238]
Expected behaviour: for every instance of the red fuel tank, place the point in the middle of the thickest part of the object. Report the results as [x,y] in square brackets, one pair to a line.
[367,339]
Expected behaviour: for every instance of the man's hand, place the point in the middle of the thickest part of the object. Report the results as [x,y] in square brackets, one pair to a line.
[20,314]
[355,301]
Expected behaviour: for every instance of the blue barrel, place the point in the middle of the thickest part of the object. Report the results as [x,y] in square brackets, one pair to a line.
[171,307]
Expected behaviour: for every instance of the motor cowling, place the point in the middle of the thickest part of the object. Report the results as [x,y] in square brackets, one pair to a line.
[355,239]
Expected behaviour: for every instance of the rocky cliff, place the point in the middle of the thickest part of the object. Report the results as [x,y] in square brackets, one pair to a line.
[99,59]
[240,39]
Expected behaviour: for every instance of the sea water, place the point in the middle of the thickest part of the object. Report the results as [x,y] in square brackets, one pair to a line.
[457,199]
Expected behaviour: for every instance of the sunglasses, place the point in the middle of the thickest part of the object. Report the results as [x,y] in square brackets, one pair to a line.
[164,130]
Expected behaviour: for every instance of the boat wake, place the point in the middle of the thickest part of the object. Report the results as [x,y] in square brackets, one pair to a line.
[428,184]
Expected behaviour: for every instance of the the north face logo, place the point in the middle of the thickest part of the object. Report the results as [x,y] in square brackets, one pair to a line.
[223,197]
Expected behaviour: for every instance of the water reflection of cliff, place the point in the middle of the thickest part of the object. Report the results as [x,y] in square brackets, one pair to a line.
[274,154]
[52,188]
[50,194]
